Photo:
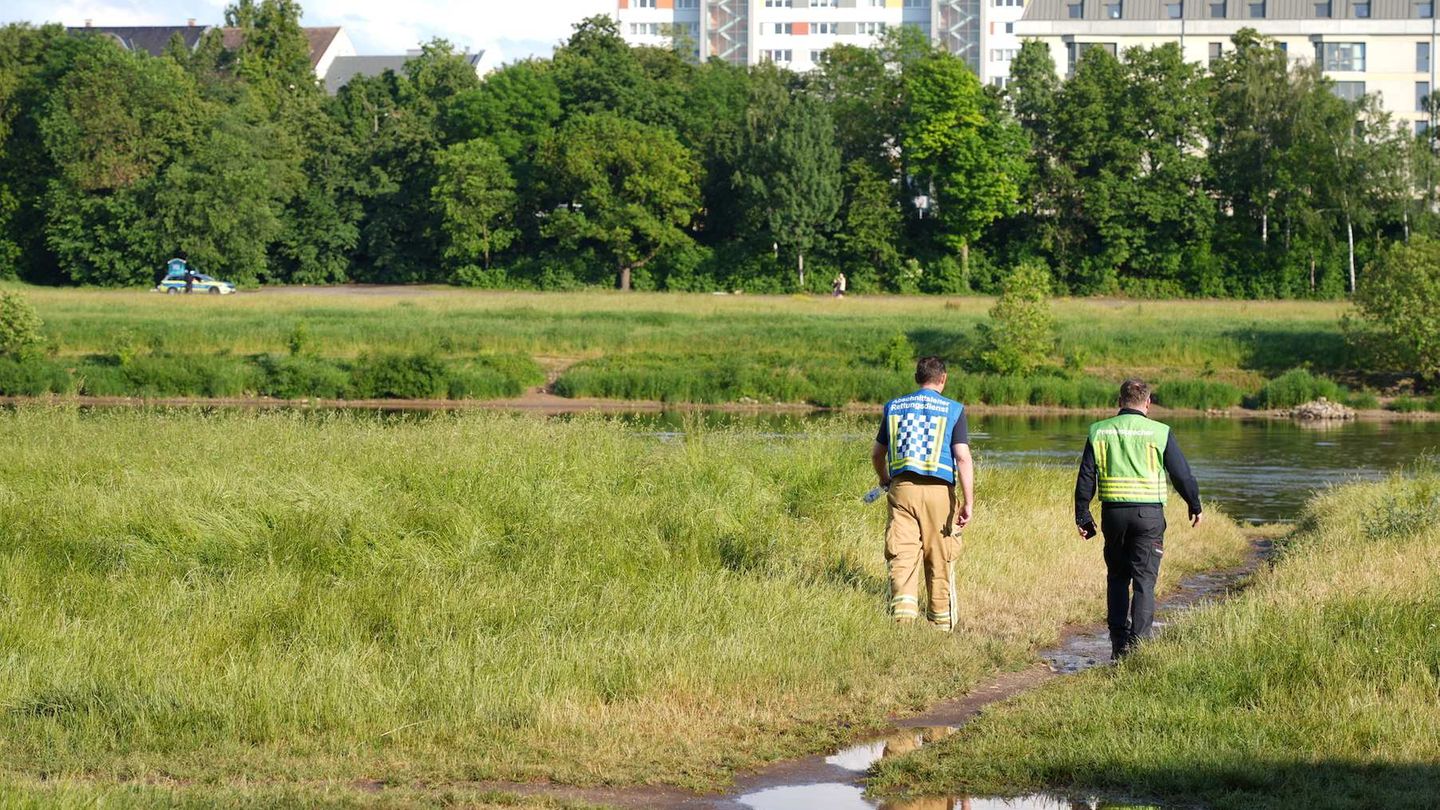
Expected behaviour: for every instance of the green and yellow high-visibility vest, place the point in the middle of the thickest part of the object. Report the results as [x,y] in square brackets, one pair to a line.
[1130,458]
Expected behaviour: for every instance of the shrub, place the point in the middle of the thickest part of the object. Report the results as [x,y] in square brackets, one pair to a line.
[1296,387]
[1363,400]
[395,376]
[1398,299]
[1022,331]
[1407,404]
[1200,394]
[21,330]
[32,377]
[298,377]
[898,353]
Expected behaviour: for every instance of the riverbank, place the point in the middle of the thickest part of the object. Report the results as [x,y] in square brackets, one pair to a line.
[539,401]
[1316,688]
[673,348]
[406,603]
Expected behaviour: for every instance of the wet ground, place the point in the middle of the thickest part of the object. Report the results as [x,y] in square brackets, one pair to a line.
[835,781]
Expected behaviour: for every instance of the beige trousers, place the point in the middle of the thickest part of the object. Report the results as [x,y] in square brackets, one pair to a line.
[920,534]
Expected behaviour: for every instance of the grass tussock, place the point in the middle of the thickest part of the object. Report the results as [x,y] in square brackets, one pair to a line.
[294,598]
[1316,688]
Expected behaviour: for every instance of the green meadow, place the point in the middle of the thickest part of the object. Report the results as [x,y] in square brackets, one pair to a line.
[456,344]
[1318,687]
[261,609]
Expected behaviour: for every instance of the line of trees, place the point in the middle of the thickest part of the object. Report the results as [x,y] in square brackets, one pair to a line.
[615,165]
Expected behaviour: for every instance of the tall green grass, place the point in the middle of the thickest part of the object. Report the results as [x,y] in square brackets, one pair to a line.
[1296,387]
[311,598]
[1316,688]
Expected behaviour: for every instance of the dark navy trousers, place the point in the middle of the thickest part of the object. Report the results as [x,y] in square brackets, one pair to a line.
[1134,547]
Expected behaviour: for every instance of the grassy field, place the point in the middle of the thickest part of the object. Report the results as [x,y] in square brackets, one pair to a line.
[244,603]
[1317,688]
[701,348]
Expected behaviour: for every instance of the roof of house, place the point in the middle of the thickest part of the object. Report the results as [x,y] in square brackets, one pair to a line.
[345,68]
[318,38]
[149,38]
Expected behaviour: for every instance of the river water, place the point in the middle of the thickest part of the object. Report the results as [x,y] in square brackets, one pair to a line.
[1257,470]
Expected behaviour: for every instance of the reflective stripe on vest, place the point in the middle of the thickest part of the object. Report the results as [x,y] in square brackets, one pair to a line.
[1129,459]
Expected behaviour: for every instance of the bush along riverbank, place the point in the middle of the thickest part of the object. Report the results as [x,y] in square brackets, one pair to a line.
[1319,687]
[373,376]
[480,596]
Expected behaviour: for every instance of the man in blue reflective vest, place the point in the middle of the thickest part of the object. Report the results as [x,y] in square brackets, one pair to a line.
[1126,459]
[920,452]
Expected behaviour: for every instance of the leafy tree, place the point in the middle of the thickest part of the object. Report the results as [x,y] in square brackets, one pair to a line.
[21,330]
[219,203]
[1398,301]
[1021,331]
[959,144]
[514,109]
[596,71]
[116,121]
[799,179]
[624,188]
[872,223]
[477,200]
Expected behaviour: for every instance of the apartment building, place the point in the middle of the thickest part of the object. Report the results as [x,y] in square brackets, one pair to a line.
[795,33]
[1383,47]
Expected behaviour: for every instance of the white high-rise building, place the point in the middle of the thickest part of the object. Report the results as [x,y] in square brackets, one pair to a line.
[1380,47]
[794,33]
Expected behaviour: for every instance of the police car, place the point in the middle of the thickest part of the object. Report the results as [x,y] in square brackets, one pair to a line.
[175,280]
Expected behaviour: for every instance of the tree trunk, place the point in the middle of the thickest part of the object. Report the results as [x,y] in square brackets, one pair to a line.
[1265,227]
[624,283]
[800,264]
[1350,239]
[965,261]
[1312,272]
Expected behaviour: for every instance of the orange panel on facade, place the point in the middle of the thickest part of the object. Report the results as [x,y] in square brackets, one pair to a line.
[624,3]
[800,28]
[666,4]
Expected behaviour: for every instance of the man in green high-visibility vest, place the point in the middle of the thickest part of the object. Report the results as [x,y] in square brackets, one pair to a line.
[1126,458]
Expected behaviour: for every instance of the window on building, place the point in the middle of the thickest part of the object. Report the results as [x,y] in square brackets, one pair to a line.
[784,28]
[1009,28]
[1425,9]
[776,3]
[1257,10]
[1217,10]
[1341,56]
[822,3]
[1113,11]
[644,3]
[870,28]
[1422,127]
[687,3]
[877,4]
[817,57]
[999,81]
[1216,48]
[1362,10]
[1422,57]
[1284,47]
[1350,91]
[1323,10]
[1076,11]
[824,28]
[917,3]
[1174,10]
[1422,96]
[782,55]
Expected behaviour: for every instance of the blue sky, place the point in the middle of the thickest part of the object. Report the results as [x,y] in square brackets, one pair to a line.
[509,29]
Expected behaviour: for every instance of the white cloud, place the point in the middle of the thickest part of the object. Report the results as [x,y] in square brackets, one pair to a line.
[509,29]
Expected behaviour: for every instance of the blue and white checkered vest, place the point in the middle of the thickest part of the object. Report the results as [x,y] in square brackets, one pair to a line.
[919,426]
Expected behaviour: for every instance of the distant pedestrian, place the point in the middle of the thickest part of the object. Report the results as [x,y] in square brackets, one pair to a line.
[837,286]
[189,280]
[921,450]
[1126,459]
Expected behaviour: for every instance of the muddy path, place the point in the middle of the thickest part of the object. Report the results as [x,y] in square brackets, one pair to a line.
[837,779]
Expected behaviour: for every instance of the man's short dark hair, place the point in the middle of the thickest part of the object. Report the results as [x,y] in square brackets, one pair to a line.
[1134,393]
[929,370]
